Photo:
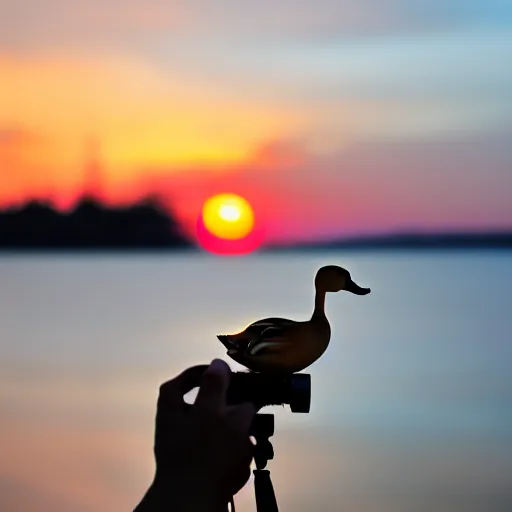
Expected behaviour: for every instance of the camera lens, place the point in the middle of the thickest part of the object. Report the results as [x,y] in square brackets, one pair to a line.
[300,392]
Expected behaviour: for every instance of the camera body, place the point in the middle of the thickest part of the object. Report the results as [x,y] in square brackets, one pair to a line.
[271,389]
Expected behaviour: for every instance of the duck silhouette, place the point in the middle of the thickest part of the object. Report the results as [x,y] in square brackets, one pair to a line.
[279,345]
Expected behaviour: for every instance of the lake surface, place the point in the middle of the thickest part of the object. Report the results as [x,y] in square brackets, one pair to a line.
[411,407]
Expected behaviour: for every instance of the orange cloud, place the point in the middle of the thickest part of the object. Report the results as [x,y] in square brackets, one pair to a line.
[142,116]
[266,178]
[16,146]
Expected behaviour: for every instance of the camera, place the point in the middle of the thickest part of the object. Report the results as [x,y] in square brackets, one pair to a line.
[269,389]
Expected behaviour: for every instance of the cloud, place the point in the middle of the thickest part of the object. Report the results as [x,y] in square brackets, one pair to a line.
[142,116]
[14,136]
[305,18]
[449,182]
[372,87]
[22,175]
[33,25]
[458,182]
[15,143]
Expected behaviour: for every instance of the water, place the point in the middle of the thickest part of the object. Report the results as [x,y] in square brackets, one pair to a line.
[411,407]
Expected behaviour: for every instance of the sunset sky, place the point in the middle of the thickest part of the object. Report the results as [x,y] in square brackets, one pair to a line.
[329,116]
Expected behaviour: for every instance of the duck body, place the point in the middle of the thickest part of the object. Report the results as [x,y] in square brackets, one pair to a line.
[278,345]
[282,346]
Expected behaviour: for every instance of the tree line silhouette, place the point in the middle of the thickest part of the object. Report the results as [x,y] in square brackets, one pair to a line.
[90,224]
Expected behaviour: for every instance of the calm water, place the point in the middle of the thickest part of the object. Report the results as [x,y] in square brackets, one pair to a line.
[411,408]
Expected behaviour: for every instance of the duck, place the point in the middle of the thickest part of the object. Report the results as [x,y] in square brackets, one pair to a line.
[282,346]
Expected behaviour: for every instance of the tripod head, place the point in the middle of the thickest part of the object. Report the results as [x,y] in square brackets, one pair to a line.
[262,429]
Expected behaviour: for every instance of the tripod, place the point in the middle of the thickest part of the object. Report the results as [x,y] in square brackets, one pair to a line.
[294,390]
[262,429]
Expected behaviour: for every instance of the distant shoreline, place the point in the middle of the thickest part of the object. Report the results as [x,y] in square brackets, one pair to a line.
[405,241]
[148,227]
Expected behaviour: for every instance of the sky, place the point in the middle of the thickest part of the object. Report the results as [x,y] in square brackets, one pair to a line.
[331,117]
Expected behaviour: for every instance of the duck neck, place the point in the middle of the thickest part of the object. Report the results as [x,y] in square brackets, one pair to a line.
[319,311]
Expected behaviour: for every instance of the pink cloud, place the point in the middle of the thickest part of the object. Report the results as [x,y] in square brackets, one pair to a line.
[371,187]
[51,23]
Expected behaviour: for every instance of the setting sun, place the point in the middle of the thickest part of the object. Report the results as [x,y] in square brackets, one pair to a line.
[228,216]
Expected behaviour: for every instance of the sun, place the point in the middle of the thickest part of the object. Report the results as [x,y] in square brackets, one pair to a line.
[228,216]
[227,225]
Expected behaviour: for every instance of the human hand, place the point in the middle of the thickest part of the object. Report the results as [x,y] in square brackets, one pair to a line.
[203,451]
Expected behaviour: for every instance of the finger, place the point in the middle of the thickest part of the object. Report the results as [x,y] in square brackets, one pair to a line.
[172,391]
[213,388]
[241,417]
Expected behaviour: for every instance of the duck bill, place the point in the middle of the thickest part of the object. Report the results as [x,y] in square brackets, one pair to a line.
[354,288]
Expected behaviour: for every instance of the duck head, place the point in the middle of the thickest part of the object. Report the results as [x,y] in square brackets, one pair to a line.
[334,279]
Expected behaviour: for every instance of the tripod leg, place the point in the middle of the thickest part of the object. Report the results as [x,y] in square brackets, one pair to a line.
[264,490]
